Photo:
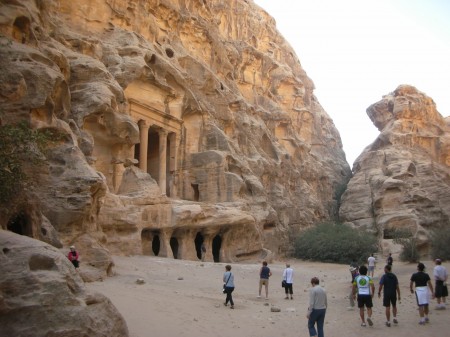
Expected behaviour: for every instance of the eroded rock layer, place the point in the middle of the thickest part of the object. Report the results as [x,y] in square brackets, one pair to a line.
[402,180]
[182,122]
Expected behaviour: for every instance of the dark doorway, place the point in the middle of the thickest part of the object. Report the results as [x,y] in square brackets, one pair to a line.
[198,244]
[216,244]
[20,224]
[156,245]
[137,152]
[146,241]
[174,246]
[196,192]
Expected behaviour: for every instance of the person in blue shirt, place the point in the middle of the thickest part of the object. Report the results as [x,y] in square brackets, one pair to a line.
[264,274]
[228,286]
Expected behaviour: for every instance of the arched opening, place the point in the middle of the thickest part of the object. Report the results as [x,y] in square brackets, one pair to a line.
[216,244]
[196,192]
[20,224]
[198,244]
[174,246]
[156,245]
[21,29]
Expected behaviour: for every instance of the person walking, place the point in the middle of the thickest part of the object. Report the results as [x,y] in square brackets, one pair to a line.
[422,283]
[440,276]
[353,274]
[288,277]
[74,257]
[364,287]
[371,262]
[317,308]
[264,274]
[391,290]
[228,287]
[390,260]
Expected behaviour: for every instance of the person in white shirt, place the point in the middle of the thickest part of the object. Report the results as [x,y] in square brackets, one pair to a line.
[288,277]
[371,262]
[440,290]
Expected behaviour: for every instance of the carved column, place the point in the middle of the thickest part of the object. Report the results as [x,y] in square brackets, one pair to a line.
[162,160]
[143,149]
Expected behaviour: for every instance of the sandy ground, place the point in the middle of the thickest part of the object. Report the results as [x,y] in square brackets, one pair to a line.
[184,298]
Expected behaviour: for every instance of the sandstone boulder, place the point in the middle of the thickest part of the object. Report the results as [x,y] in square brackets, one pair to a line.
[41,294]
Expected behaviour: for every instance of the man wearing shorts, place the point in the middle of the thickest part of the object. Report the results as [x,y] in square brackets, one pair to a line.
[389,285]
[364,287]
[440,276]
[264,274]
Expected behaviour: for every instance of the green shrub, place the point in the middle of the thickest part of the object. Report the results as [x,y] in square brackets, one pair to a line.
[440,243]
[408,242]
[19,144]
[334,242]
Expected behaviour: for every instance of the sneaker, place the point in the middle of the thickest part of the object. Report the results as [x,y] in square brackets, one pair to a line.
[225,304]
[292,298]
[363,324]
[259,296]
[395,321]
[369,320]
[286,298]
[427,320]
[388,324]
[232,307]
[422,322]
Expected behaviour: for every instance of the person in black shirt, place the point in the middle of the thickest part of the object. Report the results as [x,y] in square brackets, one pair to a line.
[389,285]
[422,282]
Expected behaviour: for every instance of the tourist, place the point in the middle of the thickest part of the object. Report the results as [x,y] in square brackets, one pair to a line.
[422,282]
[389,285]
[264,274]
[228,286]
[364,287]
[440,276]
[74,257]
[353,274]
[390,260]
[371,262]
[317,308]
[288,277]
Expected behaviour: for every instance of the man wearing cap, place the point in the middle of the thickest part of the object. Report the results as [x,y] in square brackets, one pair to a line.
[73,257]
[440,289]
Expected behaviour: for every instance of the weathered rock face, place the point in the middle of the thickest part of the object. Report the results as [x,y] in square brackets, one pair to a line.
[41,294]
[402,180]
[232,146]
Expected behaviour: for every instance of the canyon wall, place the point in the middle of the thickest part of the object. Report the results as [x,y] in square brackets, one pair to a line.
[179,122]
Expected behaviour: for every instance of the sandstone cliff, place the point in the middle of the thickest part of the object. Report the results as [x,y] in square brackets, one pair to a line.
[183,122]
[402,180]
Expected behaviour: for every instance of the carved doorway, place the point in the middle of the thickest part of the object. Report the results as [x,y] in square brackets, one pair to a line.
[174,246]
[216,245]
[156,244]
[198,244]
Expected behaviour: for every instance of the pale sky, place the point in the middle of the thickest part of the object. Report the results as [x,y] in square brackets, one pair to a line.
[356,51]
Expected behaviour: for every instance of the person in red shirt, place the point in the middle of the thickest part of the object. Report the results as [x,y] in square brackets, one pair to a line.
[73,257]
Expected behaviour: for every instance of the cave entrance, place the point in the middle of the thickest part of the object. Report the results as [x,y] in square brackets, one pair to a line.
[216,244]
[156,244]
[174,246]
[198,244]
[20,224]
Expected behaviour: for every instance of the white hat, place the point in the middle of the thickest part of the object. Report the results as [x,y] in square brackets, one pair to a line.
[352,268]
[72,247]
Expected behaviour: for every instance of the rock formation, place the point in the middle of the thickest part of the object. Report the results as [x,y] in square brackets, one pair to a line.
[41,294]
[402,180]
[179,122]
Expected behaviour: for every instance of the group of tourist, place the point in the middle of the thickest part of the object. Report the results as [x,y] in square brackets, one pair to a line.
[317,295]
[363,288]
